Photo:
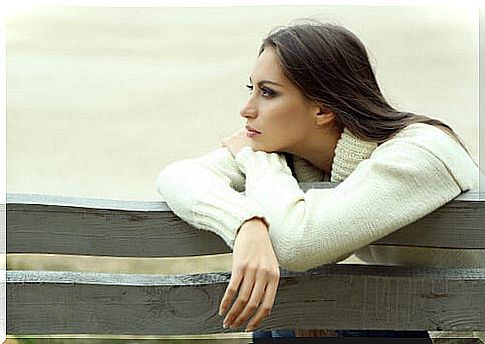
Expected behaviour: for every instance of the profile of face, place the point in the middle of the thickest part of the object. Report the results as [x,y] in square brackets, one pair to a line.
[277,108]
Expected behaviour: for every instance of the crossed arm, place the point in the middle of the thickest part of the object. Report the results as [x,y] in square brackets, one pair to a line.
[393,188]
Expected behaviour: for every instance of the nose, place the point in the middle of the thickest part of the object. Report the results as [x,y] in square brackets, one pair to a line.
[248,110]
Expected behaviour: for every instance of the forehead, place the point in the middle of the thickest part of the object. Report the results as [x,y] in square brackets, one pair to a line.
[267,67]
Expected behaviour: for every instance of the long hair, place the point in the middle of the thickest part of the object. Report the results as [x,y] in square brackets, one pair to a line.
[330,65]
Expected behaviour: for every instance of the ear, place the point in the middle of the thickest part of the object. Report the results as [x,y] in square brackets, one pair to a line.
[324,117]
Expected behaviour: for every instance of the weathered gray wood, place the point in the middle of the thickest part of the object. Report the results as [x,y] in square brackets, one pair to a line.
[44,225]
[73,225]
[330,296]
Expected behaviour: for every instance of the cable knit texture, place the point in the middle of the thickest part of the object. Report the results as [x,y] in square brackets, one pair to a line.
[382,188]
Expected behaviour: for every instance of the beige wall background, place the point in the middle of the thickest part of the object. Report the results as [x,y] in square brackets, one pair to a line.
[100,99]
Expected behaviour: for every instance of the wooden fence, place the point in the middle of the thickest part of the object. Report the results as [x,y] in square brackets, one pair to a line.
[338,296]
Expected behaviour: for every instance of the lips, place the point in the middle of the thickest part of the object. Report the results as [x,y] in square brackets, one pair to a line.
[252,129]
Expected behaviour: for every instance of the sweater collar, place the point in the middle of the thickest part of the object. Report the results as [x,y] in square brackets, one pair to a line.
[349,152]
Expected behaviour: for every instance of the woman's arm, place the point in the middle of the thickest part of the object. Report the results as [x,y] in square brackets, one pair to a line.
[204,192]
[402,181]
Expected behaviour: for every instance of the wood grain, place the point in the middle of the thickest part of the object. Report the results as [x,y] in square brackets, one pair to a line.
[87,226]
[328,297]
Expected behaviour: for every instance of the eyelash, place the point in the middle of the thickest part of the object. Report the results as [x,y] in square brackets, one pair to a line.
[269,92]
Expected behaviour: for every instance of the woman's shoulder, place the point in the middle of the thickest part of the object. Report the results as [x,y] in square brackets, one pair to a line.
[429,137]
[440,145]
[420,129]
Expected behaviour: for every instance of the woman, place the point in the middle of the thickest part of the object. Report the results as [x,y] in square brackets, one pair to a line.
[316,113]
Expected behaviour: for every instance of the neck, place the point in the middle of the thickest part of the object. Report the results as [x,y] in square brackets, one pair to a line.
[319,148]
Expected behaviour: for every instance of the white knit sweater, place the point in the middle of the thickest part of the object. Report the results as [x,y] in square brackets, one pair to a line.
[382,189]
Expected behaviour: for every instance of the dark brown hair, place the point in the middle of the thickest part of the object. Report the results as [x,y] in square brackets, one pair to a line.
[330,65]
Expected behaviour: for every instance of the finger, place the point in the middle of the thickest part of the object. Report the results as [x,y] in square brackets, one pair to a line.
[266,306]
[231,290]
[242,298]
[251,307]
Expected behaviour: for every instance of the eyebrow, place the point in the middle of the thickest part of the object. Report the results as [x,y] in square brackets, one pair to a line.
[265,82]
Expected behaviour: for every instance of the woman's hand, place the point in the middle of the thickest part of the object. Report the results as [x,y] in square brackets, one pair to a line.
[236,141]
[256,269]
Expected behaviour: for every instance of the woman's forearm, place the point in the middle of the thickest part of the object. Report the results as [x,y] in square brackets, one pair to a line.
[200,191]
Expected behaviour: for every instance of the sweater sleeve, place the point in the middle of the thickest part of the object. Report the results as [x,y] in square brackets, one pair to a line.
[400,183]
[205,192]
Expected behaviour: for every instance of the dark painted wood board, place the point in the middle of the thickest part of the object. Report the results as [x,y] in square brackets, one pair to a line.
[75,225]
[332,296]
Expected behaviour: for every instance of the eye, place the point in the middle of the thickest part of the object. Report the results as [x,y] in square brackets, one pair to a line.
[265,90]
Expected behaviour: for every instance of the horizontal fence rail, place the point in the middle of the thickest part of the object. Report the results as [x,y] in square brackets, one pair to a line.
[75,225]
[333,296]
[338,296]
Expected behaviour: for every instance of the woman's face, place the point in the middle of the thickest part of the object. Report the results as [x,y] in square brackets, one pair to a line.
[276,108]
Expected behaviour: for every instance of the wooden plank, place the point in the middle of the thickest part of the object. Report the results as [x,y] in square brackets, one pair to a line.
[72,225]
[332,296]
[79,229]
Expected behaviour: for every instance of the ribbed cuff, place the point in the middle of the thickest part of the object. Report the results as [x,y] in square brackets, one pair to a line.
[258,163]
[255,217]
[225,215]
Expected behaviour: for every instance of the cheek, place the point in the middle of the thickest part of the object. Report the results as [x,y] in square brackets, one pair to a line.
[294,123]
[295,133]
[284,126]
[288,131]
